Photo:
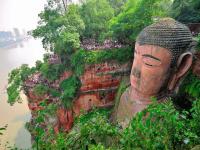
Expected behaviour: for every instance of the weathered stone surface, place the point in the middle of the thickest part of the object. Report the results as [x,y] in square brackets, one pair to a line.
[99,85]
[100,76]
[65,120]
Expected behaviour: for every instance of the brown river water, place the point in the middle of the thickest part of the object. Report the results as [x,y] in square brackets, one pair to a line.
[23,15]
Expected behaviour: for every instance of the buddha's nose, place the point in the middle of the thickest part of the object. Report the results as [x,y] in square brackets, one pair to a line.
[136,72]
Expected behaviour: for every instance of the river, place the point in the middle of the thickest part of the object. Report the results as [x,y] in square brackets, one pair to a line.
[22,15]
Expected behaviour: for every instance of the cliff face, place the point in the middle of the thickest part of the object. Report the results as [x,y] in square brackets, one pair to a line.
[99,85]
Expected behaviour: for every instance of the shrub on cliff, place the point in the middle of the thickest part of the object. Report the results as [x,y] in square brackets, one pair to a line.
[93,128]
[40,90]
[198,42]
[70,87]
[16,80]
[52,71]
[160,126]
[83,57]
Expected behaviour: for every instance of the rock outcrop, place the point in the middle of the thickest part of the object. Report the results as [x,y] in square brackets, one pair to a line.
[99,84]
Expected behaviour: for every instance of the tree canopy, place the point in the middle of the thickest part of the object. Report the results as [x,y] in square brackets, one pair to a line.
[136,15]
[186,11]
[96,14]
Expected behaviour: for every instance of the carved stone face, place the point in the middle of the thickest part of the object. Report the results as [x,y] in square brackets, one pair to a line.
[161,60]
[150,69]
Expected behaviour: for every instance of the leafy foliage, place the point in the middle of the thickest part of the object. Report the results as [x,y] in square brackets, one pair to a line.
[51,71]
[160,126]
[36,126]
[122,87]
[194,123]
[136,15]
[15,82]
[48,28]
[198,42]
[54,92]
[40,90]
[69,35]
[96,14]
[82,57]
[191,86]
[186,11]
[70,87]
[117,5]
[60,32]
[93,128]
[38,64]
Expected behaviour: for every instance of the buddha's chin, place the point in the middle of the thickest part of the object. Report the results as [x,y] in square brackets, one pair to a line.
[136,94]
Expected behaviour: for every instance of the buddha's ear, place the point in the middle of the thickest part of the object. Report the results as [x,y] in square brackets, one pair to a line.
[183,65]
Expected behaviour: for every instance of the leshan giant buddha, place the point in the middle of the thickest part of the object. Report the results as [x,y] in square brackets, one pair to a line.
[162,57]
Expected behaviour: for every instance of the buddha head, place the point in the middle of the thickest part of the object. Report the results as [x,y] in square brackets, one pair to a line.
[161,58]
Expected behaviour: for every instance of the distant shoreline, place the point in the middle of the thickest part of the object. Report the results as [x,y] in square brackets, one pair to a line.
[13,44]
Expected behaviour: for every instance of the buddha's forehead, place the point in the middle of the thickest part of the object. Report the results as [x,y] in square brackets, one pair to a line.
[153,50]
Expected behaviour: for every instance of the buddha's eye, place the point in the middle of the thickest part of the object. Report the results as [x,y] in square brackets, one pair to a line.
[151,60]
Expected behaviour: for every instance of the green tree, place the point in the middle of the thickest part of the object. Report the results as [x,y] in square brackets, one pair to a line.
[136,15]
[186,11]
[117,5]
[69,37]
[96,14]
[50,22]
[16,80]
[60,32]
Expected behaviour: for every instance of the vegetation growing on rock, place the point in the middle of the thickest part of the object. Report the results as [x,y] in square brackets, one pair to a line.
[161,126]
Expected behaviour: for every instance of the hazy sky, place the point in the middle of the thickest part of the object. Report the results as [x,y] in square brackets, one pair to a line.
[22,14]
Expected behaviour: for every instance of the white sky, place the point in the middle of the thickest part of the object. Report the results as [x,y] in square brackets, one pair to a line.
[22,14]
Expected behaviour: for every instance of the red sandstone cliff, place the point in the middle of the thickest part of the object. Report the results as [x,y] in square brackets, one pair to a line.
[99,86]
